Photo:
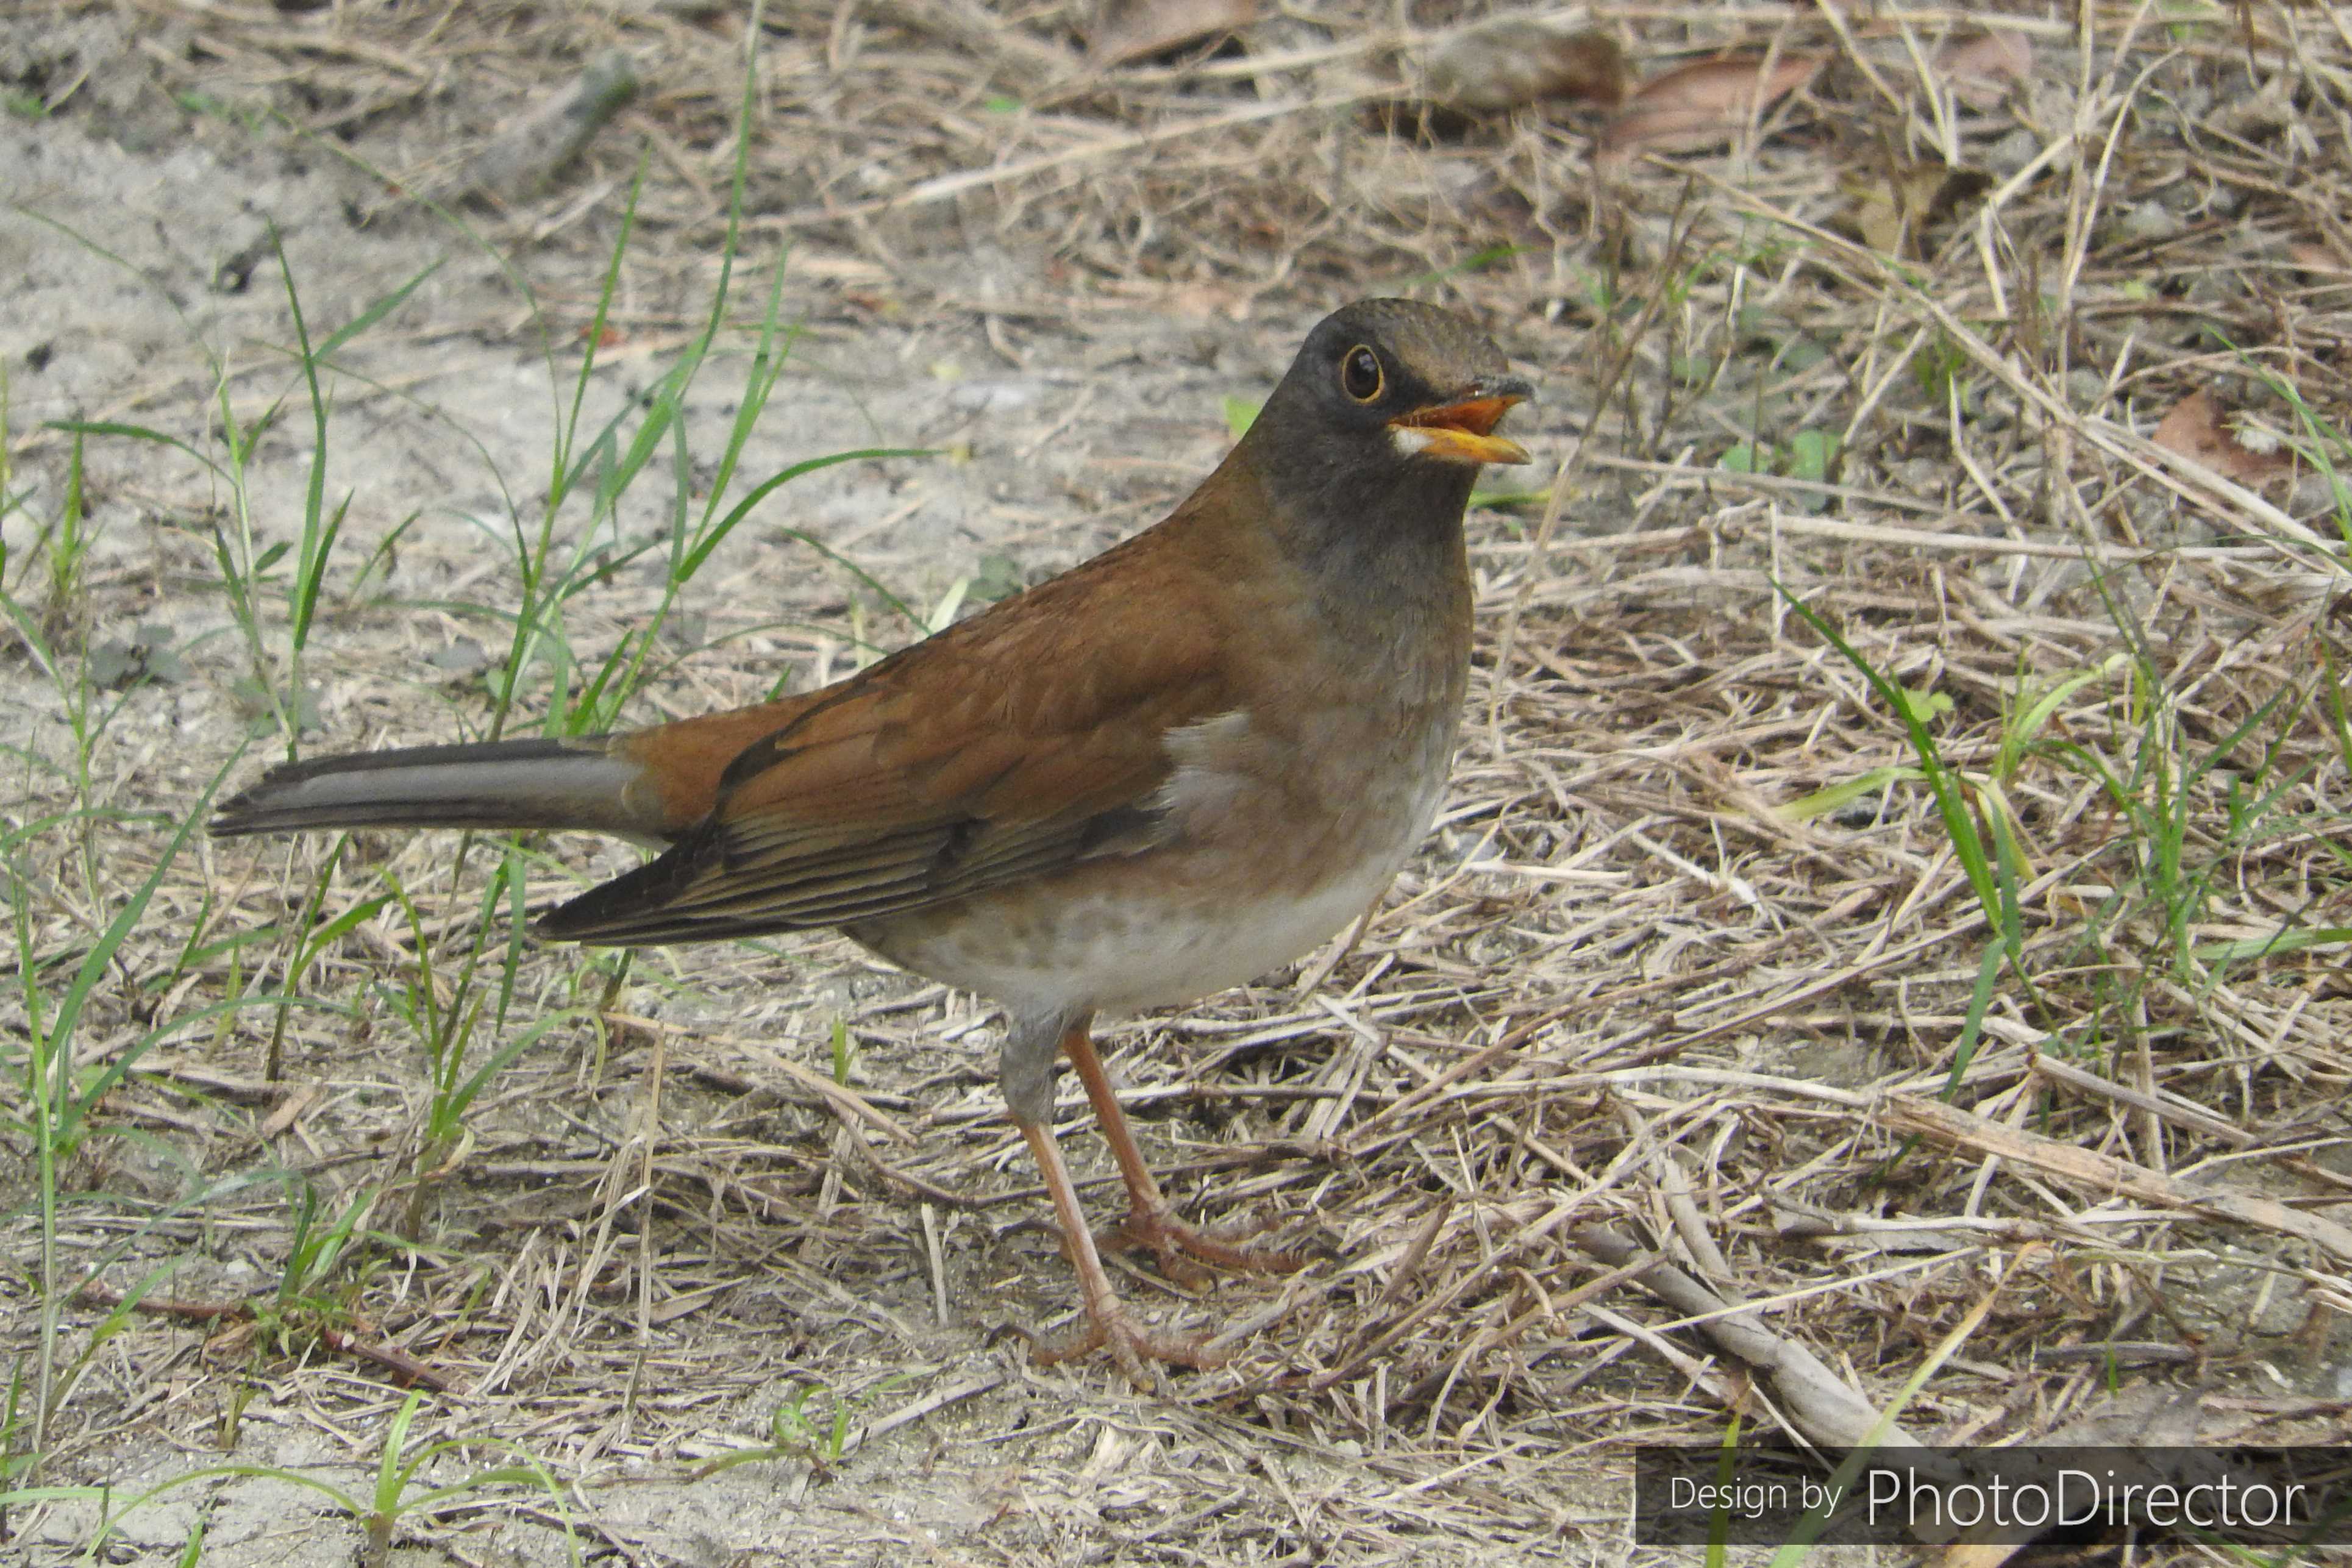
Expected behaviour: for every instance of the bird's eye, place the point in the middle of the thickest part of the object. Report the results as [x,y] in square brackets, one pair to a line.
[1359,374]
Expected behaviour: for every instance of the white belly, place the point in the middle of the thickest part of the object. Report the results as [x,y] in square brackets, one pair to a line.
[1120,957]
[1254,874]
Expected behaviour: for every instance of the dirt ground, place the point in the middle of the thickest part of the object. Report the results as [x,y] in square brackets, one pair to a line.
[1626,989]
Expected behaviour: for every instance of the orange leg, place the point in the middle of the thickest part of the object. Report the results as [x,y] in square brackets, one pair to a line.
[1150,1222]
[1107,1323]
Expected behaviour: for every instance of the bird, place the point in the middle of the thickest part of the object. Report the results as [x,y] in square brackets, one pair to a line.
[1176,768]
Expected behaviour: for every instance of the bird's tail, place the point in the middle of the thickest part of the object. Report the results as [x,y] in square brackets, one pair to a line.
[546,784]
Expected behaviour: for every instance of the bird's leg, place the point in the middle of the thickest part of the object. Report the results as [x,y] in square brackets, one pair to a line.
[1027,1073]
[1150,1222]
[1107,1323]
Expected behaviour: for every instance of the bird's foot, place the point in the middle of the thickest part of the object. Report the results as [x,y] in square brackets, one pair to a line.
[1133,1346]
[1176,1243]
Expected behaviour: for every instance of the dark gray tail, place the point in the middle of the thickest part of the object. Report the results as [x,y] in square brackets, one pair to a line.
[547,784]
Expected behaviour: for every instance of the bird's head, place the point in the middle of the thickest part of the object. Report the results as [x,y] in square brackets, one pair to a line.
[1389,391]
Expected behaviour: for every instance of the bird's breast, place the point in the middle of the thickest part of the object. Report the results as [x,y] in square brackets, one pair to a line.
[1281,825]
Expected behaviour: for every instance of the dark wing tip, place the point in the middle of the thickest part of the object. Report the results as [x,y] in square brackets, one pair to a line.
[616,913]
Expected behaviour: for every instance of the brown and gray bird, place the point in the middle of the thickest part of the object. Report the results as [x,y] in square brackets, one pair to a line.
[1164,772]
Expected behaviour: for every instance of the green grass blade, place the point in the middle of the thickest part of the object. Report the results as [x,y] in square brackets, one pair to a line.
[1959,823]
[383,306]
[59,1042]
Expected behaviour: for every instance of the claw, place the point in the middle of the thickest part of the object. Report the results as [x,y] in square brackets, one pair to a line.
[1130,1344]
[1175,1243]
[1151,1223]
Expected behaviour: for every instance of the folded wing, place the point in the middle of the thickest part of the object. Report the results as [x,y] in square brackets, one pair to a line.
[997,751]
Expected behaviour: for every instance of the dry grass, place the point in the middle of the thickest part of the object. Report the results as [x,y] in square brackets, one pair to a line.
[1655,1030]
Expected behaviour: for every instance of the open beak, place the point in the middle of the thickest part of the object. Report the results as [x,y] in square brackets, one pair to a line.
[1464,431]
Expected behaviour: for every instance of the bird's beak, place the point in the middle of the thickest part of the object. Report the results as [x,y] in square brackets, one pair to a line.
[1463,431]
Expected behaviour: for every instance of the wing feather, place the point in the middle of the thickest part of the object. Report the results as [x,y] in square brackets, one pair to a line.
[1004,748]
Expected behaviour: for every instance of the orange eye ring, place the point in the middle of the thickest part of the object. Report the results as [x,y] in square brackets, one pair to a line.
[1360,376]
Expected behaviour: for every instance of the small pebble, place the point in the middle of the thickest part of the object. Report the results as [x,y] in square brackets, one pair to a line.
[993,396]
[2012,152]
[1925,476]
[2318,495]
[2151,221]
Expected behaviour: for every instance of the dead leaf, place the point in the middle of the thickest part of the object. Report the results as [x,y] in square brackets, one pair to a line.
[1982,70]
[1510,61]
[2195,429]
[1130,30]
[2317,259]
[1693,107]
[1195,301]
[1890,213]
[288,1109]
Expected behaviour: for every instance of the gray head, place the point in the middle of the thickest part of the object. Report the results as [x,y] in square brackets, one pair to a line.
[1390,408]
